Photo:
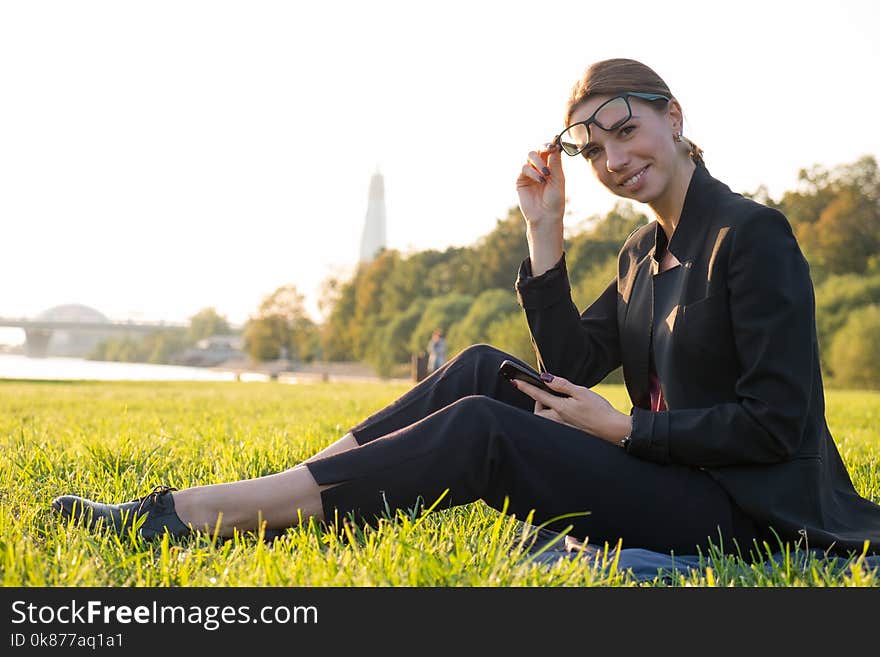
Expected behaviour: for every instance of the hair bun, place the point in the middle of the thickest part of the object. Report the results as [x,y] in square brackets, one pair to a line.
[694,151]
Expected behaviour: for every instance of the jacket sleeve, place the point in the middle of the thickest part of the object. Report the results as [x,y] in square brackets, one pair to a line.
[772,312]
[583,348]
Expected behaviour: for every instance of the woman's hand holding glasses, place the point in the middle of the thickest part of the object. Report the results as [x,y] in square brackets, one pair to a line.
[541,188]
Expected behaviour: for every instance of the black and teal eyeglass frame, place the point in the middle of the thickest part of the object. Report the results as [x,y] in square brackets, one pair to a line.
[571,147]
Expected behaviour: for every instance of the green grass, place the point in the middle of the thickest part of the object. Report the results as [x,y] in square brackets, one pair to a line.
[115,441]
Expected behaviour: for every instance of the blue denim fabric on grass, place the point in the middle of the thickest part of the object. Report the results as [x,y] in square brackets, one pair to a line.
[547,548]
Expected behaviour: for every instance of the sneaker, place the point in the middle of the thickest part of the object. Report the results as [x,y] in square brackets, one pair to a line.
[157,506]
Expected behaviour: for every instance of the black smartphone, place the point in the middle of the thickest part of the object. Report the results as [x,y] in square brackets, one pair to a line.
[512,370]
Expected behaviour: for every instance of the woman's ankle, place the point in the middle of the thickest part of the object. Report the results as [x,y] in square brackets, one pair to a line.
[187,508]
[344,444]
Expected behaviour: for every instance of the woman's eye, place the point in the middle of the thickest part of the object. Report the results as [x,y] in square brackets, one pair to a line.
[590,154]
[627,129]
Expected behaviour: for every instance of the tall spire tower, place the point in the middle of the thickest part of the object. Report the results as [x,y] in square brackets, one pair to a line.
[373,238]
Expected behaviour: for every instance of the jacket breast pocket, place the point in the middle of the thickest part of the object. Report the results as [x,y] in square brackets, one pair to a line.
[705,328]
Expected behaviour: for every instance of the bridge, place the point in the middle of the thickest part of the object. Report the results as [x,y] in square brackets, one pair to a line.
[38,332]
[71,325]
[75,319]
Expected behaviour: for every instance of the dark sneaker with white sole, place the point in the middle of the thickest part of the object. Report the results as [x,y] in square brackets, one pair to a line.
[157,506]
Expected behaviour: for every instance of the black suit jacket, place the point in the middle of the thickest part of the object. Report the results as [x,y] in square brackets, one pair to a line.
[739,365]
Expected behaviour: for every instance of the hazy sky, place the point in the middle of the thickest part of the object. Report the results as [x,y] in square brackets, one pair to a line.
[160,157]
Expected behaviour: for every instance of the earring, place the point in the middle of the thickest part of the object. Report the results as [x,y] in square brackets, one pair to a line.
[678,137]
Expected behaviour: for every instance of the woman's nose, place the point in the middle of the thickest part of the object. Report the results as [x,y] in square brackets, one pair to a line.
[616,159]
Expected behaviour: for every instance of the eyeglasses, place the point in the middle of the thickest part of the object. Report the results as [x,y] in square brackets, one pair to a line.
[609,116]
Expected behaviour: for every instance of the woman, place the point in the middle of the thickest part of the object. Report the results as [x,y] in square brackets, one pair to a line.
[712,318]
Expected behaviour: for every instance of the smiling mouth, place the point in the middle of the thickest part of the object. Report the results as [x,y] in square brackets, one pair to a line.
[634,179]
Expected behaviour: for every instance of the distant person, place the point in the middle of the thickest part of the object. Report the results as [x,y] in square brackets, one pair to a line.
[711,314]
[436,350]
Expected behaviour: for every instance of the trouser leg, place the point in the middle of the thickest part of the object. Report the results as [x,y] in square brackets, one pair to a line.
[481,448]
[473,371]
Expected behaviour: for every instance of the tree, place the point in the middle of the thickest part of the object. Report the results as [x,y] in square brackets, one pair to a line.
[451,272]
[407,282]
[154,347]
[836,299]
[847,234]
[855,350]
[264,338]
[510,333]
[281,327]
[393,348]
[474,326]
[591,249]
[162,346]
[369,296]
[836,217]
[338,331]
[441,313]
[205,323]
[496,257]
[587,288]
[617,225]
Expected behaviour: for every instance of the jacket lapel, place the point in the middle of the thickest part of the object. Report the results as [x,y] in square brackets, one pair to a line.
[636,338]
[639,314]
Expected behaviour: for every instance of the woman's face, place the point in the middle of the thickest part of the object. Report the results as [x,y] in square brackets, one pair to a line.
[638,159]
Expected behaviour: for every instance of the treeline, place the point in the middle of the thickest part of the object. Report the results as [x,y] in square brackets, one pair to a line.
[161,346]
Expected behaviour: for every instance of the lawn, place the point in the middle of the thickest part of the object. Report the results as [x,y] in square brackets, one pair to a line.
[115,441]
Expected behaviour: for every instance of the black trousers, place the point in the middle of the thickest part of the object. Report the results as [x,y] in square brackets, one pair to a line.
[466,429]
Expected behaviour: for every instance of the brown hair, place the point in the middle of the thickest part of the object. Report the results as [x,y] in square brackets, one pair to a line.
[614,76]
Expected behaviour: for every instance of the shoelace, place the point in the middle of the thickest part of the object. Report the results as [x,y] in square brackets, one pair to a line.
[154,495]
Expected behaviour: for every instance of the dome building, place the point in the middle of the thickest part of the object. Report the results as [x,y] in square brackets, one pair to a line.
[70,342]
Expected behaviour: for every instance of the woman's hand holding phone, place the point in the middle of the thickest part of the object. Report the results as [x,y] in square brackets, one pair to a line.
[512,370]
[575,406]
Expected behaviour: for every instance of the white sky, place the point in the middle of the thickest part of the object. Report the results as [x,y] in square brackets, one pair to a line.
[159,157]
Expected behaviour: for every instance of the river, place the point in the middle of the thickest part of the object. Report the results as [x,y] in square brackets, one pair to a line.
[21,367]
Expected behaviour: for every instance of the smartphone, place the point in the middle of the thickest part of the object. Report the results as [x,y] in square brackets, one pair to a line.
[512,370]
